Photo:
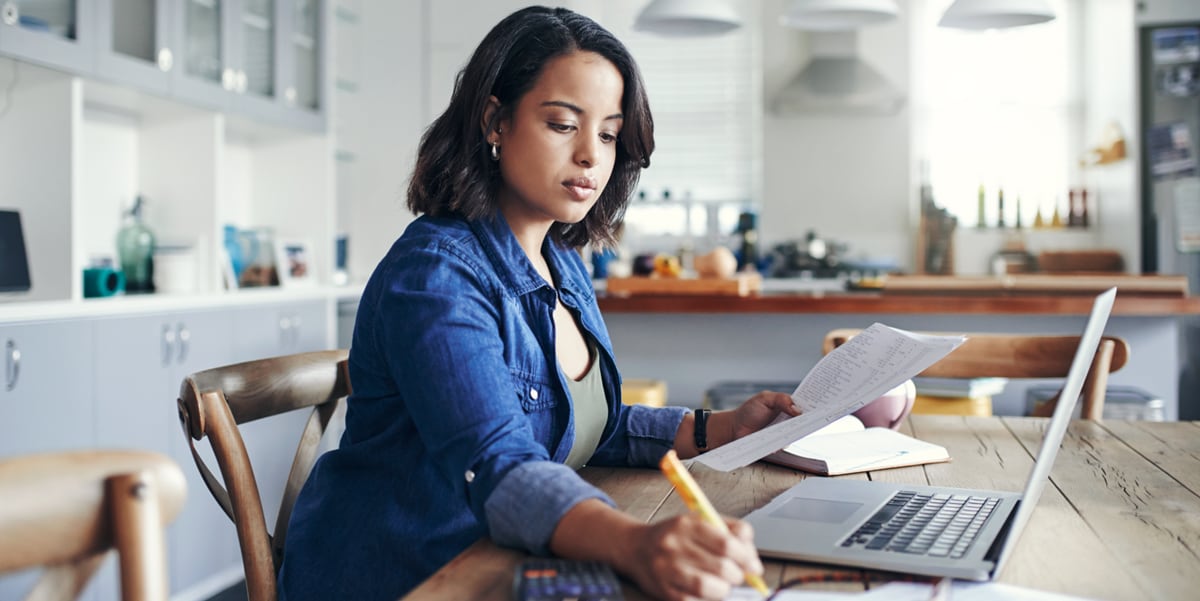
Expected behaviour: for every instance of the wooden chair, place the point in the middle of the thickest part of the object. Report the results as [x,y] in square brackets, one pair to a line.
[1023,356]
[64,511]
[214,402]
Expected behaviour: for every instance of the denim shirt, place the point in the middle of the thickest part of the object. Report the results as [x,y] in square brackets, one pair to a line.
[459,422]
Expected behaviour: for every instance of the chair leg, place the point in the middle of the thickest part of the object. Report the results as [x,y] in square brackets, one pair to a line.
[138,536]
[65,581]
[1096,386]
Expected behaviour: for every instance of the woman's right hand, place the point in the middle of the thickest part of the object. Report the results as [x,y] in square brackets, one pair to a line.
[685,558]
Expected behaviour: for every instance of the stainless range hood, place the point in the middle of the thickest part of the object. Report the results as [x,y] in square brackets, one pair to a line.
[836,80]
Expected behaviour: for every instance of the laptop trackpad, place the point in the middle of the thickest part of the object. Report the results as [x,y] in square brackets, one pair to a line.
[816,510]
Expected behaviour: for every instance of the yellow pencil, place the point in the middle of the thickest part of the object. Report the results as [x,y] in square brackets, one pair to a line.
[694,498]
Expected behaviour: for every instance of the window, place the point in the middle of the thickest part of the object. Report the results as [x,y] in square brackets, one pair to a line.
[705,94]
[1001,109]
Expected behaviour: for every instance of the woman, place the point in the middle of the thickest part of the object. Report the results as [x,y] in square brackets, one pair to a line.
[483,374]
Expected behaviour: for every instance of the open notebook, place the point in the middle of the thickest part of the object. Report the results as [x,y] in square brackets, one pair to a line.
[847,447]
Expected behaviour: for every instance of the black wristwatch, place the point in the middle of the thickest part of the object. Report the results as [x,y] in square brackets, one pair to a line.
[700,429]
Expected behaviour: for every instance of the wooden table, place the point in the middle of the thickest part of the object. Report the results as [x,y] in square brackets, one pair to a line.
[1121,520]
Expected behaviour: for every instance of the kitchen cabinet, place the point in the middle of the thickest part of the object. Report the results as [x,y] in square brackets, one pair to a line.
[112,381]
[262,60]
[140,363]
[268,332]
[134,42]
[44,405]
[48,32]
[214,110]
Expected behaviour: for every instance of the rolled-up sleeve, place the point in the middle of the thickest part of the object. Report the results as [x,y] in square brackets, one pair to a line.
[652,432]
[518,519]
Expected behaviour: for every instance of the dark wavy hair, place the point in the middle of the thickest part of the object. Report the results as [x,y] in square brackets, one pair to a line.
[455,174]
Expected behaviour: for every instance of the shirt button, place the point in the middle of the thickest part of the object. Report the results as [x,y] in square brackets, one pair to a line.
[533,393]
[470,475]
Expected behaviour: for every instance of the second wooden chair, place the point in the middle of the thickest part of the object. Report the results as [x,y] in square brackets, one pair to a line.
[1023,356]
[213,403]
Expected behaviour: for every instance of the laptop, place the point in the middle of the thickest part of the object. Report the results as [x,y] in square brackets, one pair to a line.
[929,530]
[14,265]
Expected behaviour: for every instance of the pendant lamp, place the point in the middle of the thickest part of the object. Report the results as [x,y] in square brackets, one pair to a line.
[682,18]
[838,15]
[995,14]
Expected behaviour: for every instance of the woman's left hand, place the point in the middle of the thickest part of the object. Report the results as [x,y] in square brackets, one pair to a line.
[760,410]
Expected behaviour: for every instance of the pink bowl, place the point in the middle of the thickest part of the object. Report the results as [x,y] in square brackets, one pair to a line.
[890,409]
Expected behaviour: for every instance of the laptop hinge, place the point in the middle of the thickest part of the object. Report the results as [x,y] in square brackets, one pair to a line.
[993,553]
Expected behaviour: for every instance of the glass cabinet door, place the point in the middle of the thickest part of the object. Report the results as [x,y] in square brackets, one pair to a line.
[201,50]
[258,26]
[305,48]
[48,32]
[206,73]
[134,40]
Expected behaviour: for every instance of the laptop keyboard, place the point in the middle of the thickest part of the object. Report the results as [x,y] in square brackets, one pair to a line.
[938,525]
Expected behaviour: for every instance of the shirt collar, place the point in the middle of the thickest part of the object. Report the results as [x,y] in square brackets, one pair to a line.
[515,268]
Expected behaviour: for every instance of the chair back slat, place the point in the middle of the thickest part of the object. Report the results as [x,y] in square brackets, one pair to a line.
[214,402]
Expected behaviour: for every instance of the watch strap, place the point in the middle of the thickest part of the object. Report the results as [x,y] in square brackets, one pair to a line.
[700,429]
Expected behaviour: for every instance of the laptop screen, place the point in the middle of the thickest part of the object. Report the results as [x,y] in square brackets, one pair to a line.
[1056,429]
[14,265]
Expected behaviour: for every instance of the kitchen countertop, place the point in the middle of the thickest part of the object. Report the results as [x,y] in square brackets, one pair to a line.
[878,302]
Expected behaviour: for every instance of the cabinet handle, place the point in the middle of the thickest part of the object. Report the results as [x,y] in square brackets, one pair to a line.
[165,59]
[295,330]
[10,13]
[228,79]
[168,344]
[285,331]
[12,365]
[185,336]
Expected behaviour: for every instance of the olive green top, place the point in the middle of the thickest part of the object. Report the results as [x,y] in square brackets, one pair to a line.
[591,412]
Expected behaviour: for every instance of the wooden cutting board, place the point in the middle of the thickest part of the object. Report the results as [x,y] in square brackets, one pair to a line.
[742,284]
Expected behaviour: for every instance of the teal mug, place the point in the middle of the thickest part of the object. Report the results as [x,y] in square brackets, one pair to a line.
[102,281]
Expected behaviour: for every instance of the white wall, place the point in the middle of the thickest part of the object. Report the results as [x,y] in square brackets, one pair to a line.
[847,177]
[1110,93]
[383,57]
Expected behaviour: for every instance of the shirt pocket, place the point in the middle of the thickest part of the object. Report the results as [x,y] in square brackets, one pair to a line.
[535,393]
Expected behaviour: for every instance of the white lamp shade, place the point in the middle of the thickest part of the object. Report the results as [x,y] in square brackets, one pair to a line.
[688,17]
[838,15]
[995,14]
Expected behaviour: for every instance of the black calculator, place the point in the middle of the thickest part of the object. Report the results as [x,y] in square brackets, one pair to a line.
[551,579]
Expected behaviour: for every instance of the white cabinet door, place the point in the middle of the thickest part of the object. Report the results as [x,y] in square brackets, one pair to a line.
[45,402]
[46,393]
[140,364]
[263,332]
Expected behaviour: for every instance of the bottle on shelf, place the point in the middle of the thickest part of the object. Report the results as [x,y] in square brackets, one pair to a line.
[747,233]
[135,249]
[1056,220]
[1017,222]
[980,219]
[1039,221]
[1083,207]
[1000,208]
[1072,208]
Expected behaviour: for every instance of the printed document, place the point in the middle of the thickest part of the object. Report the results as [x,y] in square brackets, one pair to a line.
[876,360]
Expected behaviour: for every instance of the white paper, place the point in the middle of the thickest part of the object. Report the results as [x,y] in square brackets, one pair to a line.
[876,360]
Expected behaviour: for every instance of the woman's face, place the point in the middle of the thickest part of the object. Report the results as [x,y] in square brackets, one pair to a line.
[558,146]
